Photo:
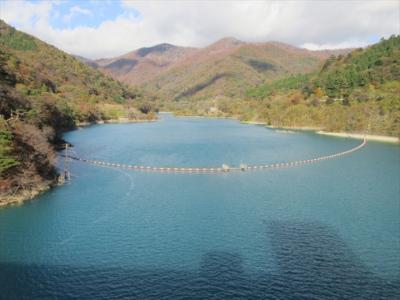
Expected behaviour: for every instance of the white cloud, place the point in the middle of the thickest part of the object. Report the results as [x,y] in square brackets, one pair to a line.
[24,13]
[355,43]
[311,24]
[74,11]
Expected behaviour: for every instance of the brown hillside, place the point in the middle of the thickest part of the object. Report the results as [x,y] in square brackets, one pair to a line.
[226,68]
[144,64]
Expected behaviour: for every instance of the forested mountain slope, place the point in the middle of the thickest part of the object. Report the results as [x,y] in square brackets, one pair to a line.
[224,69]
[352,90]
[342,90]
[356,92]
[44,91]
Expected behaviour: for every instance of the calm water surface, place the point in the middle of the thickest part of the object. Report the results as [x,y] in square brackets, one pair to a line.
[329,230]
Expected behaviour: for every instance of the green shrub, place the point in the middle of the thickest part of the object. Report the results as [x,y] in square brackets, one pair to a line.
[7,160]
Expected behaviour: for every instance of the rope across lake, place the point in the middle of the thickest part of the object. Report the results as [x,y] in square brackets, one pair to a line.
[223,168]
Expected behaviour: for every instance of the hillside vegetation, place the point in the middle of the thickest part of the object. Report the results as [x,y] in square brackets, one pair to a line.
[224,69]
[281,85]
[43,92]
[227,68]
[355,92]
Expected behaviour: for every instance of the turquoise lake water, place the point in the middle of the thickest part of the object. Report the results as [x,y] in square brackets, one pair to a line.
[327,230]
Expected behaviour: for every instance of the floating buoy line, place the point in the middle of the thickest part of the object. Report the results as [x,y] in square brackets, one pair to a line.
[223,168]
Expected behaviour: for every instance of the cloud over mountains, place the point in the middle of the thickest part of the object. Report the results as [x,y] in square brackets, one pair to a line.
[108,28]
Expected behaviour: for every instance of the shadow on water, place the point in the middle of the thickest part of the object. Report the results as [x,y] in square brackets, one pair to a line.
[313,263]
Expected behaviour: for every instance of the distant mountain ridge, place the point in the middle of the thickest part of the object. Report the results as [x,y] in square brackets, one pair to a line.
[141,65]
[225,68]
[87,61]
[228,67]
[160,48]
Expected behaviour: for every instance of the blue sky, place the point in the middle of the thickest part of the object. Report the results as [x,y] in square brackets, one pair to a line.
[71,14]
[96,29]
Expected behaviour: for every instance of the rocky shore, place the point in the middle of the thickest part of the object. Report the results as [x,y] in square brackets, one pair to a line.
[20,197]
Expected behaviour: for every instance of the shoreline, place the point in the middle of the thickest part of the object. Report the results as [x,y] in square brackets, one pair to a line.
[349,135]
[25,196]
[205,117]
[360,136]
[253,123]
[314,129]
[115,121]
[298,128]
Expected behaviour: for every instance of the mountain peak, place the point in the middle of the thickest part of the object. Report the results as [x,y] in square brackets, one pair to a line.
[160,48]
[228,42]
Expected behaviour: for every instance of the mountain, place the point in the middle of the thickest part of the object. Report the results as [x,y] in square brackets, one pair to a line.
[376,64]
[144,64]
[228,67]
[43,92]
[87,61]
[351,90]
[224,69]
[356,92]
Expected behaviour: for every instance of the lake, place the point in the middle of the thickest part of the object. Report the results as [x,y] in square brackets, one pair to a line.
[326,230]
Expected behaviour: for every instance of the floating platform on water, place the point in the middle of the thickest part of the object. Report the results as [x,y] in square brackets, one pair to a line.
[224,168]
